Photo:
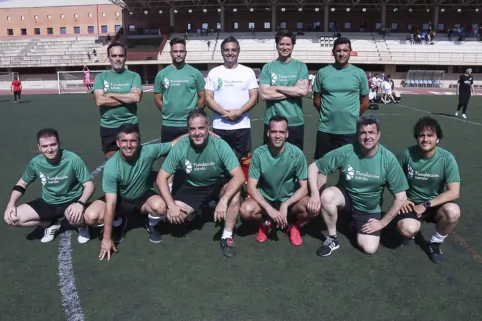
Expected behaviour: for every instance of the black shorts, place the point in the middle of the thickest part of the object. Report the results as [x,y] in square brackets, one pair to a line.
[169,133]
[17,94]
[49,212]
[136,203]
[198,197]
[464,98]
[427,216]
[296,135]
[358,219]
[108,138]
[238,139]
[326,142]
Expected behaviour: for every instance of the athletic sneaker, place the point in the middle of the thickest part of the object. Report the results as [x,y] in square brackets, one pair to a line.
[154,235]
[263,231]
[295,235]
[328,246]
[456,113]
[228,247]
[435,253]
[49,233]
[119,229]
[463,116]
[84,235]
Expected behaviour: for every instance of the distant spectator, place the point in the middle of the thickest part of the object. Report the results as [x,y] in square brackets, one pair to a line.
[88,55]
[16,88]
[108,39]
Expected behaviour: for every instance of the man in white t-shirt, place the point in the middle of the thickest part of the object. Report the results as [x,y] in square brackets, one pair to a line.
[375,82]
[231,91]
[387,91]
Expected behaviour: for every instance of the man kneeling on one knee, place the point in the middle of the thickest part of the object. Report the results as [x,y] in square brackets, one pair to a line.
[366,168]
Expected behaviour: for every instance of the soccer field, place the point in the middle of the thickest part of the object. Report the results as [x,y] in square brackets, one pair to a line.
[187,278]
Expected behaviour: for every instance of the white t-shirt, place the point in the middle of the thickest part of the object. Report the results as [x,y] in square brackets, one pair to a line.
[375,82]
[372,95]
[387,87]
[231,91]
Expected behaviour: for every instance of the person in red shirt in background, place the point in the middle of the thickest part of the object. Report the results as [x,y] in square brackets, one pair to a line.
[17,89]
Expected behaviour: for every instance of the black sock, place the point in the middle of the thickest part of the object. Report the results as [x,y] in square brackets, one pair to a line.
[333,237]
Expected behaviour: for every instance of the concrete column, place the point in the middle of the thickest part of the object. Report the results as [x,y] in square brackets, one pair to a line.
[125,13]
[221,16]
[171,17]
[274,25]
[326,19]
[436,12]
[384,16]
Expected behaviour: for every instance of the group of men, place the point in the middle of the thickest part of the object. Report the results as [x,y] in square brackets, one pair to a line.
[281,190]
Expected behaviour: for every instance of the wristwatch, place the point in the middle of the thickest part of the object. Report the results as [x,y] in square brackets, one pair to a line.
[81,203]
[427,204]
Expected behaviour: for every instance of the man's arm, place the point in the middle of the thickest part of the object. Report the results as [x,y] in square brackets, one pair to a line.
[158,101]
[364,103]
[269,93]
[16,195]
[450,195]
[256,195]
[163,186]
[110,202]
[201,102]
[316,180]
[234,185]
[252,101]
[133,97]
[298,90]
[317,101]
[89,189]
[299,194]
[101,100]
[398,201]
[458,87]
[212,104]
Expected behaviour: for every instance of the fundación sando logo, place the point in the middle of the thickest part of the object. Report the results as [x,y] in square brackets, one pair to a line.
[188,166]
[350,172]
[166,83]
[410,171]
[43,179]
[274,78]
[106,85]
[220,83]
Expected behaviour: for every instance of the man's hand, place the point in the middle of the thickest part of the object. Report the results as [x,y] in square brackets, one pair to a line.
[277,217]
[105,248]
[233,114]
[174,215]
[10,214]
[283,210]
[75,211]
[372,226]
[419,209]
[220,210]
[314,204]
[407,207]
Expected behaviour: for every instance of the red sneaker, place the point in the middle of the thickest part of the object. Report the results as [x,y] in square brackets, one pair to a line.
[263,232]
[295,235]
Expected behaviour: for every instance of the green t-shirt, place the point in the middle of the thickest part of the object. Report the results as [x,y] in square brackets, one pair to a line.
[276,73]
[340,98]
[278,175]
[179,89]
[428,177]
[203,167]
[364,178]
[132,180]
[111,82]
[61,182]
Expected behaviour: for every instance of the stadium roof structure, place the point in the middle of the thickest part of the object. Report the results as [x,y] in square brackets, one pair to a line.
[12,4]
[132,5]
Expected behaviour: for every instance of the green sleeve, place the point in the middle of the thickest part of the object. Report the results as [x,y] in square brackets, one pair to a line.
[302,167]
[331,161]
[265,78]
[29,175]
[136,81]
[452,174]
[316,86]
[303,72]
[172,160]
[227,155]
[200,82]
[99,82]
[364,90]
[402,158]
[159,150]
[158,88]
[396,180]
[255,166]
[81,172]
[109,179]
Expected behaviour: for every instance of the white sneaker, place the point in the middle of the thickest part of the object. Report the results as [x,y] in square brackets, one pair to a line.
[84,235]
[463,116]
[456,113]
[49,233]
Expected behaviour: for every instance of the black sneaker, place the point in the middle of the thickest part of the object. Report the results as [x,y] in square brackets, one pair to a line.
[328,246]
[228,247]
[408,242]
[119,232]
[154,235]
[435,253]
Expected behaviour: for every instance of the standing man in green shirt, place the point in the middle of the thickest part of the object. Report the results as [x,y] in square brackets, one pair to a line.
[126,181]
[340,95]
[434,185]
[212,173]
[66,187]
[366,168]
[277,185]
[116,92]
[283,84]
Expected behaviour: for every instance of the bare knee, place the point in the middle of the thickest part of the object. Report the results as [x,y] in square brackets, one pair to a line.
[329,201]
[158,207]
[408,227]
[93,215]
[369,249]
[451,212]
[247,210]
[368,244]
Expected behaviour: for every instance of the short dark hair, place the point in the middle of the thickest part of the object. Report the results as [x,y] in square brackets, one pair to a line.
[177,41]
[341,41]
[116,44]
[277,119]
[128,129]
[365,120]
[427,122]
[47,132]
[285,33]
[229,39]
[197,113]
